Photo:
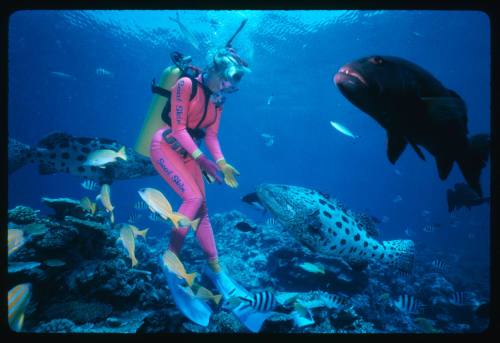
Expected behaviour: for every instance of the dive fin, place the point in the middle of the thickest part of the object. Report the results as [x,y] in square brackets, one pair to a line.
[193,308]
[444,165]
[395,146]
[474,159]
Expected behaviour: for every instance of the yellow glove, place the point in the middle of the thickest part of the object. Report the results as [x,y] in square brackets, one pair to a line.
[229,171]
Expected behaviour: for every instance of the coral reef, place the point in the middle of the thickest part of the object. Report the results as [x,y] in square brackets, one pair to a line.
[23,215]
[89,285]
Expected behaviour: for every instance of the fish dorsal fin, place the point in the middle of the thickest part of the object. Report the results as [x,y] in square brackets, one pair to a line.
[396,144]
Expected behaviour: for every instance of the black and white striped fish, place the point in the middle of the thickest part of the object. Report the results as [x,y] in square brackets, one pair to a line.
[153,216]
[429,228]
[89,185]
[334,301]
[403,274]
[271,221]
[141,205]
[408,304]
[134,217]
[459,298]
[264,301]
[440,266]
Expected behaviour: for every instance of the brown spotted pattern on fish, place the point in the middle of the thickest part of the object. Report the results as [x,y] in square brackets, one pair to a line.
[327,228]
[63,153]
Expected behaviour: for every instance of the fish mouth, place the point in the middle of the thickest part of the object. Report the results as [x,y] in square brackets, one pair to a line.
[347,75]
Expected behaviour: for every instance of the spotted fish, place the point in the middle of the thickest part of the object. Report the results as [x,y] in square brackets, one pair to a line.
[63,153]
[327,228]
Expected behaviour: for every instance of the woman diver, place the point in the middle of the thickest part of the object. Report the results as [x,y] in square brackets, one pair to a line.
[195,113]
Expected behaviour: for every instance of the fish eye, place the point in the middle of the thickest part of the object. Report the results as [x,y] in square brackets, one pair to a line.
[376,60]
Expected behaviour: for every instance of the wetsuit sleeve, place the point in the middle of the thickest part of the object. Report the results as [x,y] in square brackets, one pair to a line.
[211,139]
[178,113]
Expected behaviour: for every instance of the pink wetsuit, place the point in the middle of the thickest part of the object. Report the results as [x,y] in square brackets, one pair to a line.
[182,172]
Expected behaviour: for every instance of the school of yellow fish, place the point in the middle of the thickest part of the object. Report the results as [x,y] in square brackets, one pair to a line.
[19,296]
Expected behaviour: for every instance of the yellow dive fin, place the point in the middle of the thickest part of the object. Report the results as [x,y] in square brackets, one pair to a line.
[153,121]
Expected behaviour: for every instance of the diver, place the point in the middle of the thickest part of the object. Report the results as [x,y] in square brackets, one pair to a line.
[192,113]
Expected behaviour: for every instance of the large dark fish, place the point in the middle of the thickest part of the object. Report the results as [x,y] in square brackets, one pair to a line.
[463,196]
[326,227]
[416,109]
[62,153]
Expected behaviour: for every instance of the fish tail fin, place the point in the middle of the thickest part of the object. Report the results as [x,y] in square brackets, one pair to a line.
[217,298]
[452,200]
[403,253]
[134,261]
[17,324]
[190,278]
[112,217]
[143,233]
[195,223]
[474,160]
[175,218]
[122,153]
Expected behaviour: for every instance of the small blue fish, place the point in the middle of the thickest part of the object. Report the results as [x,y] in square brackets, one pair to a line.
[270,99]
[62,75]
[342,129]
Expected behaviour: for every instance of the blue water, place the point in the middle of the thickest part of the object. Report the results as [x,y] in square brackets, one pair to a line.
[293,56]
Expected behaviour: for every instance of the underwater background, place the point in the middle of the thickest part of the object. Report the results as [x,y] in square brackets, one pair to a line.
[54,85]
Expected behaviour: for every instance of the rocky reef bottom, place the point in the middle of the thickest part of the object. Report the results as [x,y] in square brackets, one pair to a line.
[82,280]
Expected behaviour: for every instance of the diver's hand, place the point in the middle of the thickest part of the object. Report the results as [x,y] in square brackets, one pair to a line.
[209,167]
[229,173]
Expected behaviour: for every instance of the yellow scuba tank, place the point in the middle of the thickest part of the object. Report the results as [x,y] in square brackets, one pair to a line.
[153,120]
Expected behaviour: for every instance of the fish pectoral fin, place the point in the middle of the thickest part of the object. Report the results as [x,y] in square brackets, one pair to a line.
[417,150]
[444,109]
[396,144]
[444,165]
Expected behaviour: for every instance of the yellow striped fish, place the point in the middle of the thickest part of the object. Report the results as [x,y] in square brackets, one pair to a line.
[158,203]
[15,240]
[127,237]
[172,262]
[18,299]
[206,294]
[88,205]
[105,198]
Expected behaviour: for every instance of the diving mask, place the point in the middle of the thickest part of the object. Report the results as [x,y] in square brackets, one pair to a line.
[230,66]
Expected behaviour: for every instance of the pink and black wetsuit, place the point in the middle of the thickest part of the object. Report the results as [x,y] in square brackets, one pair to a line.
[171,154]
